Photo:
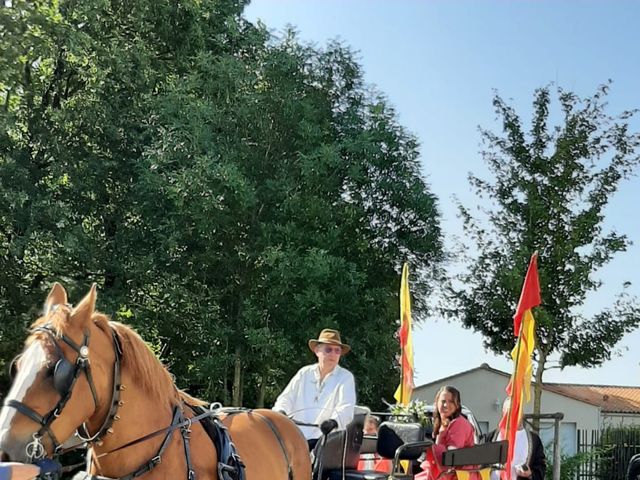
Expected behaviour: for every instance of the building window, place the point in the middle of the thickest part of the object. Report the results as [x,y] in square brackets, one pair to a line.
[568,437]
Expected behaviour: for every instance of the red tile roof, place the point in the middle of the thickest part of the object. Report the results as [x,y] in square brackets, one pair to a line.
[611,399]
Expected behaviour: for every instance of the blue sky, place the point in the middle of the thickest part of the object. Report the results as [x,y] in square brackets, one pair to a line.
[439,62]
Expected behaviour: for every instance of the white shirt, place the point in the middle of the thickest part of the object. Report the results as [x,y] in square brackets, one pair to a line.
[308,400]
[520,453]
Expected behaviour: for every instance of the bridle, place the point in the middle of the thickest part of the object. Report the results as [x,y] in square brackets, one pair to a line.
[65,376]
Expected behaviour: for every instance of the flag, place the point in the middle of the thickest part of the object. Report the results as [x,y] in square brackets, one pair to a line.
[519,387]
[403,393]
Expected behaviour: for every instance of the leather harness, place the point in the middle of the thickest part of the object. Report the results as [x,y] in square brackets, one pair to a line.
[65,376]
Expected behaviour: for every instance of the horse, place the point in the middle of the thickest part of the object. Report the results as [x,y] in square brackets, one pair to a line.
[81,373]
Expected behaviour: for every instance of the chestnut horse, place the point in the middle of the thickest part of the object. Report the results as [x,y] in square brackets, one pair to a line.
[81,372]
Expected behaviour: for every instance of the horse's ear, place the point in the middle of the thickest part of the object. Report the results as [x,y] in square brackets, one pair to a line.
[57,296]
[84,310]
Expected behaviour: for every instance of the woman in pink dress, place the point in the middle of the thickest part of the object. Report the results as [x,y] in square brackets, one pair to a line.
[451,430]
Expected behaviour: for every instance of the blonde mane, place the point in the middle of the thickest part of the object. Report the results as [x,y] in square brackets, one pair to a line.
[137,357]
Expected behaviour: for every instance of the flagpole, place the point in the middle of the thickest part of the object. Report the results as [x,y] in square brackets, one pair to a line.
[519,344]
[403,392]
[523,316]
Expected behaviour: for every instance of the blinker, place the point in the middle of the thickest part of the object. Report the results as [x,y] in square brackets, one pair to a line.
[63,375]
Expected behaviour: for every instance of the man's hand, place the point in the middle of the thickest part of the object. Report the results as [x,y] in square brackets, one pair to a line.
[328,425]
[523,471]
[18,471]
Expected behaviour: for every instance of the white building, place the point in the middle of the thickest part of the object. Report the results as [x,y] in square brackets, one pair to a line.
[585,407]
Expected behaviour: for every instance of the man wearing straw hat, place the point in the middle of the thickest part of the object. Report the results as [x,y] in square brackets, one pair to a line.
[323,393]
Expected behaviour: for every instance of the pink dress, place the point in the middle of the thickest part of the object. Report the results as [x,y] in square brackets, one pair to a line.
[458,434]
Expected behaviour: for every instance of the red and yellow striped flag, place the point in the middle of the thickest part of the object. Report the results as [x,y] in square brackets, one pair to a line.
[520,383]
[405,389]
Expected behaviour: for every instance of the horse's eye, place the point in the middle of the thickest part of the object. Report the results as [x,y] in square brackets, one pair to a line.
[50,368]
[13,368]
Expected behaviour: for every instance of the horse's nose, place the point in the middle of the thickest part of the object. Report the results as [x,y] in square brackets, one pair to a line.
[4,443]
[10,448]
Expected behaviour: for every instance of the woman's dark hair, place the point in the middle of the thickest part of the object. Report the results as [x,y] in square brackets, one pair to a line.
[437,421]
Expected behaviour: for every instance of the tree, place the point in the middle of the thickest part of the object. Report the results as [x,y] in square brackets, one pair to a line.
[549,191]
[298,193]
[77,82]
[230,194]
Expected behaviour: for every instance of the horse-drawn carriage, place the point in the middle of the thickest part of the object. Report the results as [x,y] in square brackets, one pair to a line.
[397,442]
[80,372]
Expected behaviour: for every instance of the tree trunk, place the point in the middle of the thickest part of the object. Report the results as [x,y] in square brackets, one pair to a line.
[262,390]
[225,382]
[241,396]
[237,378]
[537,396]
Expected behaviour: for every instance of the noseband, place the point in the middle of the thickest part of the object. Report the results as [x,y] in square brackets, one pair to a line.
[65,376]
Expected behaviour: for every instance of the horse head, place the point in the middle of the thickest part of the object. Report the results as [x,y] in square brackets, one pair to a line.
[63,380]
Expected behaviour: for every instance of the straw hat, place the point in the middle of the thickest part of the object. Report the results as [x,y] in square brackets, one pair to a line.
[330,337]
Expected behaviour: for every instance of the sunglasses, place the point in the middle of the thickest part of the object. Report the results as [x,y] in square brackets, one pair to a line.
[330,349]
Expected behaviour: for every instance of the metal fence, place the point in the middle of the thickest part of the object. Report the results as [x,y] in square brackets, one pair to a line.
[605,454]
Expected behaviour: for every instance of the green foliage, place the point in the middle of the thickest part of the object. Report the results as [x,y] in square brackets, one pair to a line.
[620,445]
[608,457]
[414,411]
[230,194]
[549,191]
[572,465]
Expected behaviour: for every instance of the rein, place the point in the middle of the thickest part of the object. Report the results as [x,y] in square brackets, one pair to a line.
[178,422]
[182,423]
[154,461]
[174,426]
